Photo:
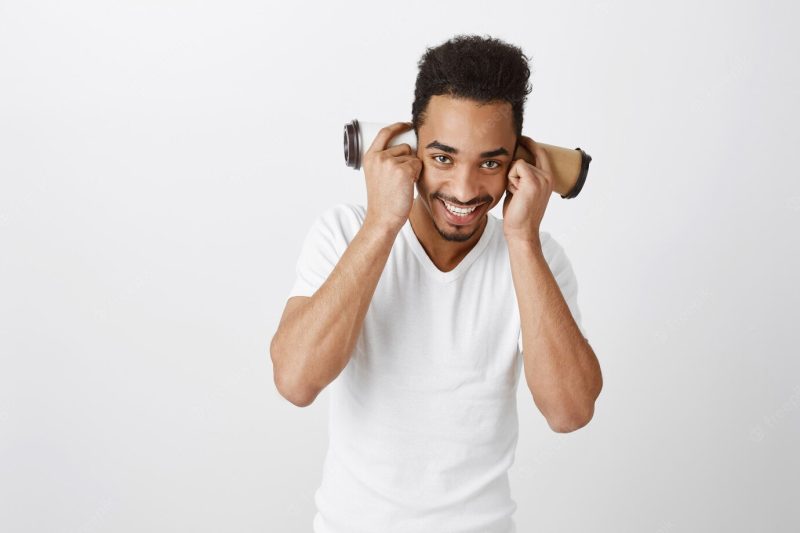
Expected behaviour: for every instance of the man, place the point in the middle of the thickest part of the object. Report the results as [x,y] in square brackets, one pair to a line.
[415,310]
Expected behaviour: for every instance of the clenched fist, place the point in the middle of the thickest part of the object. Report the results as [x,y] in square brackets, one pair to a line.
[390,175]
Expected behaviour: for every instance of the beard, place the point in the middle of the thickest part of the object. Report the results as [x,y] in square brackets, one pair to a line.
[445,232]
[454,236]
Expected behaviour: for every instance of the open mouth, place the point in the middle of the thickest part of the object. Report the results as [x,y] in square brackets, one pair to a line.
[460,215]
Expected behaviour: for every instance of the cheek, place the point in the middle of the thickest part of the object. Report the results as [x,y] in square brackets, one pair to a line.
[502,184]
[429,177]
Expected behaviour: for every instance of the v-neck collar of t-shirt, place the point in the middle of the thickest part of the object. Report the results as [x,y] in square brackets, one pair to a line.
[463,265]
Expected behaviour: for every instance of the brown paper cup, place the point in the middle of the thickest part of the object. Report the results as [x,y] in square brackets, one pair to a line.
[568,166]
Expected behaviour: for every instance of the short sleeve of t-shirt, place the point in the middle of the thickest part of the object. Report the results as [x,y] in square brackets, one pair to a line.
[324,244]
[561,267]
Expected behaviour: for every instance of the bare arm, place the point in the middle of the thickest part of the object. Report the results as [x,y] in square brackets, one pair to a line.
[561,369]
[316,335]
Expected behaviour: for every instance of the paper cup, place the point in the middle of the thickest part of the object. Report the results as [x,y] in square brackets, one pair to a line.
[568,166]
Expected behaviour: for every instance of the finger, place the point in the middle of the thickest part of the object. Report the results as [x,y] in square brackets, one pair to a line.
[536,171]
[416,164]
[513,171]
[520,168]
[541,167]
[539,154]
[386,133]
[405,158]
[399,149]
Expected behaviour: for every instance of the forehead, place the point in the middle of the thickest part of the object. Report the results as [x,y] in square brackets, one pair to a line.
[468,125]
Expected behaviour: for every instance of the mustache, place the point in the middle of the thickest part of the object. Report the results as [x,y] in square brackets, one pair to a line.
[456,202]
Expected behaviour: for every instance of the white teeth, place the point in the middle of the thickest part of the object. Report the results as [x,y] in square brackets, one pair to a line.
[458,210]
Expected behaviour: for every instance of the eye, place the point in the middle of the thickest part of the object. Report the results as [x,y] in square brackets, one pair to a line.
[496,164]
[440,155]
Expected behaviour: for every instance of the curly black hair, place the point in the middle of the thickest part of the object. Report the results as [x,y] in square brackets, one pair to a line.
[480,68]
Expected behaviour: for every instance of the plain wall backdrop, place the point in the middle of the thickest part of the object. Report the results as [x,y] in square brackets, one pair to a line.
[161,162]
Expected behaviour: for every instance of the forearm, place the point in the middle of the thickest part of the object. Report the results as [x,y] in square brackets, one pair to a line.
[314,344]
[561,369]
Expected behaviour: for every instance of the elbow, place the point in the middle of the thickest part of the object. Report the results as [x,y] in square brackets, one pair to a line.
[574,415]
[291,389]
[573,422]
[296,395]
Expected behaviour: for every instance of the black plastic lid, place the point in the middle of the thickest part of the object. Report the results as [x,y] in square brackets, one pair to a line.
[352,148]
[585,160]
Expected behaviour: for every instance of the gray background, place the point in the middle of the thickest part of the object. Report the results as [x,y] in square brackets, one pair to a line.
[161,162]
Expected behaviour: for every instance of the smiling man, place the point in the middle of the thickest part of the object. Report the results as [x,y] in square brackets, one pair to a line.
[462,179]
[415,310]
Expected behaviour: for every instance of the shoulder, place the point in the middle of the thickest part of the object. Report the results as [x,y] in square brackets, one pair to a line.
[342,219]
[344,214]
[550,246]
[555,254]
[552,249]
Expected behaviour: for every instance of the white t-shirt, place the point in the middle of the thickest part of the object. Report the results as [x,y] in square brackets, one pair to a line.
[423,419]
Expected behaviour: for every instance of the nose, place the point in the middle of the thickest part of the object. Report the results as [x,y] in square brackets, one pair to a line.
[465,186]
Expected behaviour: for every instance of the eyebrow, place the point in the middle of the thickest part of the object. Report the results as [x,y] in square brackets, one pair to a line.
[450,150]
